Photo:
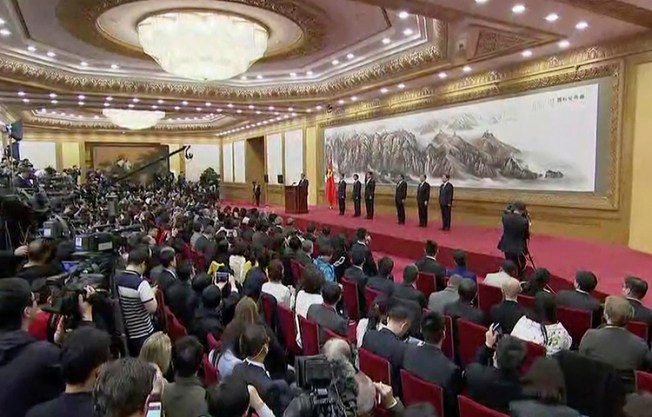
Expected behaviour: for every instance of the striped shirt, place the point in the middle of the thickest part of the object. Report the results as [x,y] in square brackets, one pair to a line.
[134,292]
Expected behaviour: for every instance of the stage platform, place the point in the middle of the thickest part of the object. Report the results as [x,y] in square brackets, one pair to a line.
[561,256]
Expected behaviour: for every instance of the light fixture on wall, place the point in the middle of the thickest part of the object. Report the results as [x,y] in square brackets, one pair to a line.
[134,119]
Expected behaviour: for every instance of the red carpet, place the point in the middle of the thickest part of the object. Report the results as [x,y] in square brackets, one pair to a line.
[562,256]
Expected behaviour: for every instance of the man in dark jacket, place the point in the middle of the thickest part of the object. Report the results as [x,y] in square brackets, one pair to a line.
[463,308]
[357,195]
[384,281]
[341,194]
[429,264]
[581,298]
[29,369]
[180,296]
[516,232]
[362,244]
[326,314]
[399,199]
[509,311]
[635,290]
[356,274]
[406,290]
[208,319]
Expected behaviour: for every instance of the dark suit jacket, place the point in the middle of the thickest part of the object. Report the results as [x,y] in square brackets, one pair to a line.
[580,301]
[183,301]
[382,284]
[369,266]
[423,193]
[302,257]
[461,309]
[529,408]
[275,393]
[207,321]
[328,318]
[615,346]
[357,190]
[490,386]
[370,189]
[360,278]
[165,280]
[20,182]
[446,194]
[516,231]
[257,190]
[429,363]
[507,315]
[341,189]
[388,345]
[431,266]
[408,292]
[641,313]
[401,191]
[304,183]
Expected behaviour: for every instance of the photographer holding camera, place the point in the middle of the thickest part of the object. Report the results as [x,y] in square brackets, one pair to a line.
[516,233]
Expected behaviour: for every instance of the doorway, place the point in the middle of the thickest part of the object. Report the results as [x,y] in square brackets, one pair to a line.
[255,167]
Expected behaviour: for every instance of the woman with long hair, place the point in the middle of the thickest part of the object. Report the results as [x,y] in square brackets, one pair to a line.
[376,318]
[542,327]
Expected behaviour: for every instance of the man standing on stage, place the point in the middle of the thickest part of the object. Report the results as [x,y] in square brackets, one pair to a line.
[516,232]
[341,194]
[303,182]
[446,202]
[256,191]
[423,195]
[399,199]
[357,195]
[369,194]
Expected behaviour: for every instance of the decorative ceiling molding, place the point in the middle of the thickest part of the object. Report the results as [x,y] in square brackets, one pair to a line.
[493,41]
[615,9]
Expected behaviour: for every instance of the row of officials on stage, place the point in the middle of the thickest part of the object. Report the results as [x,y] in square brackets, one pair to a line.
[446,191]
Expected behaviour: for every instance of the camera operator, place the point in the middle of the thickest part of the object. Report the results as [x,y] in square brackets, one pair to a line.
[516,233]
[233,398]
[24,178]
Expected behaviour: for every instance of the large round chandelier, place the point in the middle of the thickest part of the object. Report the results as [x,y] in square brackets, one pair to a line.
[202,45]
[134,119]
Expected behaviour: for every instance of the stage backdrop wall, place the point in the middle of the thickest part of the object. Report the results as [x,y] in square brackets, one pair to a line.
[204,156]
[41,154]
[227,159]
[274,157]
[293,156]
[239,171]
[546,140]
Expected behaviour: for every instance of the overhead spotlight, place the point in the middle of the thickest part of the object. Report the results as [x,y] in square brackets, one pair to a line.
[518,9]
[244,77]
[251,107]
[131,106]
[259,77]
[467,69]
[160,101]
[208,104]
[53,95]
[481,1]
[386,41]
[527,53]
[135,100]
[31,48]
[340,102]
[408,32]
[96,117]
[2,22]
[257,111]
[239,111]
[563,44]
[318,108]
[401,86]
[81,97]
[54,101]
[270,108]
[219,110]
[442,75]
[403,15]
[384,90]
[177,108]
[51,54]
[335,62]
[552,17]
[5,32]
[154,106]
[290,108]
[198,109]
[354,98]
[286,117]
[293,74]
[25,100]
[308,110]
[107,104]
[21,94]
[350,56]
[83,64]
[115,66]
[185,103]
[582,25]
[109,98]
[81,103]
[230,105]
[309,73]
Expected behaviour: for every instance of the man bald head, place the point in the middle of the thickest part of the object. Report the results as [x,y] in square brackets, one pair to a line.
[337,348]
[511,288]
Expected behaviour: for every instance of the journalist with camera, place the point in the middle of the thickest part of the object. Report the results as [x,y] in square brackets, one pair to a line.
[516,233]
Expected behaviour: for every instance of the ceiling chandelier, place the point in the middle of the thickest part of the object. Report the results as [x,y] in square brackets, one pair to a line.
[202,45]
[133,119]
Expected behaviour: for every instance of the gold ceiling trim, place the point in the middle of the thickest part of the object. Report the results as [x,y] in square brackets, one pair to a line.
[79,18]
[615,9]
[492,42]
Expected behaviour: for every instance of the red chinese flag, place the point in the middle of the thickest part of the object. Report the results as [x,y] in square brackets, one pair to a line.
[331,194]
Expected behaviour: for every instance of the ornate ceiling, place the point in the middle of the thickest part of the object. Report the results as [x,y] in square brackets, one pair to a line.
[63,61]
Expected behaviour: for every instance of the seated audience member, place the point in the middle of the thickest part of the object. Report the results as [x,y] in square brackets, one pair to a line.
[463,308]
[326,314]
[580,298]
[323,263]
[185,397]
[356,274]
[137,299]
[363,238]
[237,261]
[304,255]
[389,343]
[40,257]
[201,282]
[310,232]
[157,350]
[538,282]
[309,291]
[545,389]
[256,276]
[494,379]
[208,319]
[508,270]
[29,369]
[205,243]
[39,327]
[341,258]
[638,405]
[635,289]
[429,264]
[180,297]
[440,299]
[429,363]
[459,257]
[324,239]
[260,237]
[509,311]
[83,352]
[542,326]
[614,344]
[232,398]
[123,388]
[252,371]
[407,289]
[168,275]
[384,281]
[275,287]
[375,320]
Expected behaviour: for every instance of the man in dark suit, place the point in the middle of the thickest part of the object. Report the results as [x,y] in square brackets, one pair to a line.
[369,194]
[362,245]
[180,296]
[341,194]
[256,191]
[635,289]
[24,178]
[423,196]
[389,342]
[356,274]
[254,345]
[324,239]
[429,363]
[463,308]
[303,182]
[516,232]
[494,379]
[430,265]
[357,196]
[406,289]
[384,281]
[446,202]
[168,275]
[580,298]
[509,311]
[325,314]
[399,199]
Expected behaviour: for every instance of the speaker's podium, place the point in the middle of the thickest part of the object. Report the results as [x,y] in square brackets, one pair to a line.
[296,199]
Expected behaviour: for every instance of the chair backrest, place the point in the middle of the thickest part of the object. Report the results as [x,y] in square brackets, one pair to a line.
[643,381]
[370,294]
[269,309]
[296,269]
[533,352]
[288,329]
[470,408]
[175,329]
[639,328]
[426,283]
[526,301]
[350,298]
[213,343]
[309,336]
[448,345]
[329,334]
[375,367]
[210,374]
[488,296]
[470,337]
[416,390]
[577,322]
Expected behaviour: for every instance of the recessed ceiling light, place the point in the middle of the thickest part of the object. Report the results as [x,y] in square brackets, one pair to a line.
[290,108]
[386,41]
[54,101]
[131,106]
[53,95]
[219,110]
[198,109]
[257,111]
[185,103]
[309,73]
[31,48]
[354,98]
[251,106]
[384,90]
[293,74]
[467,69]
[318,108]
[518,9]
[230,105]
[208,104]
[563,44]
[177,108]
[160,101]
[442,75]
[107,104]
[244,77]
[83,64]
[293,114]
[115,66]
[350,56]
[21,94]
[51,54]
[481,1]
[81,103]
[81,97]
[25,100]
[270,108]
[239,111]
[340,101]
[335,62]
[154,106]
[135,100]
[308,110]
[401,86]
[109,98]
[5,32]
[259,76]
[552,17]
[403,15]
[96,117]
[527,53]
[2,22]
[408,32]
[582,25]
